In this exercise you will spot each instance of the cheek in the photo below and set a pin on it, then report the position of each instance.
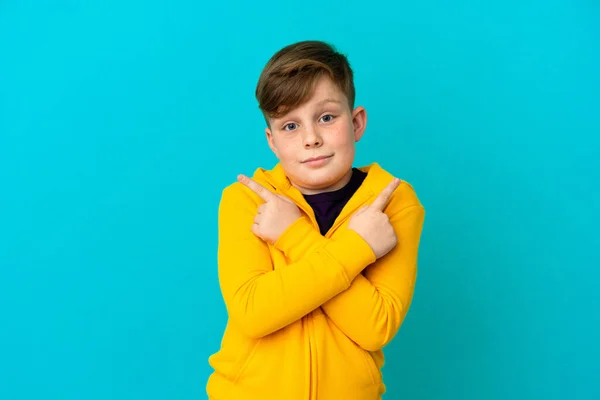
(344, 133)
(286, 150)
(343, 139)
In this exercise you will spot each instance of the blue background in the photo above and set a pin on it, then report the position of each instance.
(122, 121)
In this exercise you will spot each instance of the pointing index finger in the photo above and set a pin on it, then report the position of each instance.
(383, 198)
(257, 188)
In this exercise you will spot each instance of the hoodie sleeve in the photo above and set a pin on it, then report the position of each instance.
(260, 299)
(372, 309)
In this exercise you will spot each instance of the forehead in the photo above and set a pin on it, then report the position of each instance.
(324, 89)
(325, 92)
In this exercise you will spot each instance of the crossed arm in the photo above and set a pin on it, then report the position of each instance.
(372, 309)
(324, 272)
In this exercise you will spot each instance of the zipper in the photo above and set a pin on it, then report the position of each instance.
(353, 204)
(314, 370)
(301, 203)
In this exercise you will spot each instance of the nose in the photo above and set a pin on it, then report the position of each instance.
(312, 138)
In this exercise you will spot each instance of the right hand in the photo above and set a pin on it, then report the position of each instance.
(373, 225)
(275, 215)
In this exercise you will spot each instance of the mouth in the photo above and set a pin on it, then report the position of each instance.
(313, 159)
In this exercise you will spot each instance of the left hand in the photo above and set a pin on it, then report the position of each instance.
(274, 216)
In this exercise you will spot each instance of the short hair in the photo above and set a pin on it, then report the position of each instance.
(290, 76)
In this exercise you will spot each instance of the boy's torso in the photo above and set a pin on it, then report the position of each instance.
(310, 359)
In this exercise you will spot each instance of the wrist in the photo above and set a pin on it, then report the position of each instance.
(352, 252)
(299, 238)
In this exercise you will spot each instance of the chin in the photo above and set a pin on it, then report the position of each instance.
(321, 178)
(318, 185)
(318, 180)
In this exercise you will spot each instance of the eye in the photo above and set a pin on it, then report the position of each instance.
(327, 118)
(290, 127)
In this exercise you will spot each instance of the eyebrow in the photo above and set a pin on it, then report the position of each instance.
(324, 101)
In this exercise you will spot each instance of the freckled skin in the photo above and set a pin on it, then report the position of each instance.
(323, 126)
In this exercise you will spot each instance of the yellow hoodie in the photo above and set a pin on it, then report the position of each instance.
(310, 314)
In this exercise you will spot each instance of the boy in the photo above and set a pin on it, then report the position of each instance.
(317, 259)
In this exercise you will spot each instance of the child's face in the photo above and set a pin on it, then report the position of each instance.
(315, 142)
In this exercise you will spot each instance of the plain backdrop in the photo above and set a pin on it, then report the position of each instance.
(122, 121)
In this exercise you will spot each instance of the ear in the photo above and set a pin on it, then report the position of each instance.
(359, 122)
(271, 141)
